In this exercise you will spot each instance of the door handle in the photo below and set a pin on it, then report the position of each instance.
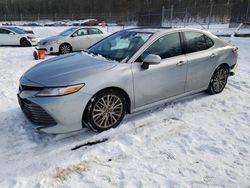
(213, 55)
(180, 63)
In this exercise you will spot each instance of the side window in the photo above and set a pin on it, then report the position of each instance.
(93, 31)
(197, 41)
(81, 32)
(166, 47)
(209, 41)
(4, 31)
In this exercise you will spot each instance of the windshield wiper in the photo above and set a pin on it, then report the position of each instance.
(110, 58)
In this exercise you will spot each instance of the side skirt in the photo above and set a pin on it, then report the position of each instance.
(161, 102)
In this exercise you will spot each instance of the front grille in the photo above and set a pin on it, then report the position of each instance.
(35, 113)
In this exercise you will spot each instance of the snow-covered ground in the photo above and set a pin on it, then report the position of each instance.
(198, 141)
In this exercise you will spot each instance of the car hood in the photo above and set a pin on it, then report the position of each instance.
(27, 35)
(66, 70)
(53, 38)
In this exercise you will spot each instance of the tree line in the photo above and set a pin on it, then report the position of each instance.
(116, 9)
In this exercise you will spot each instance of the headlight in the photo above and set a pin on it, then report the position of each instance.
(51, 42)
(47, 92)
(33, 39)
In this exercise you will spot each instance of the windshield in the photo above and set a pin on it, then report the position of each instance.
(17, 30)
(121, 45)
(67, 32)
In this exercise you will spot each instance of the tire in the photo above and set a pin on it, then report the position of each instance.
(25, 43)
(65, 49)
(219, 80)
(105, 110)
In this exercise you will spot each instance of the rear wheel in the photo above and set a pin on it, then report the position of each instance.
(65, 49)
(24, 42)
(219, 80)
(106, 110)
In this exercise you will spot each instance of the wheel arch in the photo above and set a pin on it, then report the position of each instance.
(71, 48)
(24, 39)
(122, 91)
(210, 90)
(225, 65)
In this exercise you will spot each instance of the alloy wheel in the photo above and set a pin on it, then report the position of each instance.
(220, 80)
(107, 111)
(65, 49)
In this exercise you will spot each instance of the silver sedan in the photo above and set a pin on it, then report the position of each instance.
(129, 71)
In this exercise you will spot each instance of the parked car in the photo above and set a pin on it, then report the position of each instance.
(129, 71)
(72, 39)
(32, 24)
(89, 22)
(58, 23)
(8, 24)
(86, 22)
(242, 33)
(15, 36)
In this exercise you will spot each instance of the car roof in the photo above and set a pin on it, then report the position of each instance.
(161, 30)
(87, 27)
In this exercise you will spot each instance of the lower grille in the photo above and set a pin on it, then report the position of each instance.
(35, 113)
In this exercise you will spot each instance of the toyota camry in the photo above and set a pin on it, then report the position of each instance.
(127, 72)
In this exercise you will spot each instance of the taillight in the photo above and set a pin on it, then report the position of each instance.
(235, 50)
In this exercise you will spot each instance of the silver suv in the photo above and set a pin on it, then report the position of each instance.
(129, 71)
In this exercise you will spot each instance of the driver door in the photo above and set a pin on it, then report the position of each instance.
(80, 40)
(164, 80)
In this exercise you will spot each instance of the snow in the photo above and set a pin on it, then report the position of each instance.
(196, 141)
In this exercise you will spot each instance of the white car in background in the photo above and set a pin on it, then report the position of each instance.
(242, 33)
(15, 36)
(72, 39)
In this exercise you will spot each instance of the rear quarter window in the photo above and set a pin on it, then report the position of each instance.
(196, 41)
(94, 31)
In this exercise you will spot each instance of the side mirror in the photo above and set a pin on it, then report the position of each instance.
(151, 59)
(11, 33)
(74, 35)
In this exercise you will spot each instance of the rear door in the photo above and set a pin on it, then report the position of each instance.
(201, 57)
(164, 80)
(80, 40)
(95, 35)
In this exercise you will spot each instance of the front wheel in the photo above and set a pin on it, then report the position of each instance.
(25, 43)
(106, 110)
(64, 49)
(218, 81)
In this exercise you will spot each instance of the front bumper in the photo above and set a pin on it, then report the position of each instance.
(33, 42)
(51, 48)
(66, 111)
